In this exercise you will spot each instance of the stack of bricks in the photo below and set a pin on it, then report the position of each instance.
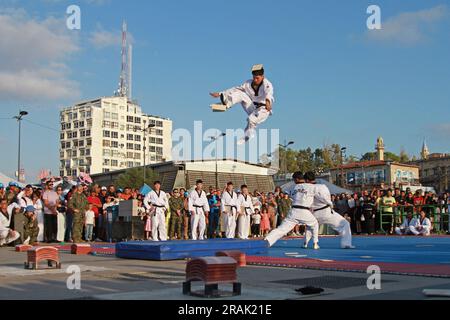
(81, 249)
(212, 270)
(236, 255)
(36, 255)
(23, 248)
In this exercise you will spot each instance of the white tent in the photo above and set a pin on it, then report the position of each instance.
(5, 180)
(334, 189)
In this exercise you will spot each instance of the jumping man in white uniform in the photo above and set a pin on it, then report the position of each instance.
(302, 195)
(255, 96)
(229, 203)
(245, 211)
(324, 213)
(157, 200)
(199, 209)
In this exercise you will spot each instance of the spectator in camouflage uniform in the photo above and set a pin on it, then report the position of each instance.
(79, 204)
(30, 226)
(176, 204)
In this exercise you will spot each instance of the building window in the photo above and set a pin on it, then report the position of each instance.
(106, 134)
(137, 147)
(62, 136)
(81, 124)
(137, 156)
(106, 152)
(75, 134)
(159, 150)
(152, 149)
(137, 164)
(89, 123)
(130, 137)
(137, 138)
(74, 173)
(159, 124)
(88, 152)
(115, 116)
(106, 124)
(137, 120)
(88, 133)
(75, 124)
(63, 145)
(130, 146)
(159, 132)
(74, 153)
(159, 141)
(114, 135)
(130, 164)
(106, 143)
(107, 115)
(82, 133)
(81, 143)
(130, 119)
(88, 141)
(114, 163)
(106, 162)
(68, 145)
(130, 155)
(114, 144)
(114, 125)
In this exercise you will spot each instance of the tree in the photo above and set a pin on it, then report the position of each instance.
(134, 178)
(404, 157)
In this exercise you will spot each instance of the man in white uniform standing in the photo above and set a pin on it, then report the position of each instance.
(324, 213)
(245, 211)
(7, 235)
(229, 209)
(255, 96)
(199, 209)
(302, 195)
(158, 200)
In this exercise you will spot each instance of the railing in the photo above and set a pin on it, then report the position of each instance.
(438, 214)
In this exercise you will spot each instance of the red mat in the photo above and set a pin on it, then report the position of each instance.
(426, 270)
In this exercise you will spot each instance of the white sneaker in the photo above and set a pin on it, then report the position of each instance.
(305, 246)
(27, 241)
(316, 246)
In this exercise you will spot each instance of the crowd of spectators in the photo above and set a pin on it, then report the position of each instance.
(87, 213)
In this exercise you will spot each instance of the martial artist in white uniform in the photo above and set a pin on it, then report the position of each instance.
(324, 213)
(423, 227)
(157, 199)
(408, 225)
(302, 195)
(199, 209)
(229, 203)
(245, 211)
(7, 235)
(256, 97)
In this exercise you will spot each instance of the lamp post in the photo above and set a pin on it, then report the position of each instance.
(217, 169)
(19, 119)
(343, 184)
(146, 128)
(285, 146)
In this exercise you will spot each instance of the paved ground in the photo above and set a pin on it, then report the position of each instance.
(111, 278)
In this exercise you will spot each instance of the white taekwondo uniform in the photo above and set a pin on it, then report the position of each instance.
(245, 211)
(5, 226)
(407, 226)
(302, 196)
(324, 213)
(159, 203)
(423, 227)
(198, 206)
(229, 203)
(253, 101)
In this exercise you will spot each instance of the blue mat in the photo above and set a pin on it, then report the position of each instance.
(416, 250)
(178, 250)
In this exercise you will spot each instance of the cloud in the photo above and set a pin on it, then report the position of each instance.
(101, 38)
(408, 28)
(33, 58)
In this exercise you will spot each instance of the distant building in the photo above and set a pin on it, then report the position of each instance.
(184, 174)
(377, 173)
(107, 134)
(434, 169)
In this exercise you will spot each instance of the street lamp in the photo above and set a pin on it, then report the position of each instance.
(19, 120)
(145, 130)
(217, 170)
(343, 184)
(285, 146)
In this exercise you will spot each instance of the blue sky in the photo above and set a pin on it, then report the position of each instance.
(335, 81)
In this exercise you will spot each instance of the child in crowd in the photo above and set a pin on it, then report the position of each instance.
(30, 226)
(265, 221)
(147, 217)
(108, 209)
(256, 224)
(89, 223)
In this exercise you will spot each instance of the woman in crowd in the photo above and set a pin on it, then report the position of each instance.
(61, 207)
(39, 206)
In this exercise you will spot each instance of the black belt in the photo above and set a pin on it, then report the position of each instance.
(159, 206)
(259, 105)
(301, 207)
(320, 209)
(198, 206)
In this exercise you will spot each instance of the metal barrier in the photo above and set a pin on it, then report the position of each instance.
(438, 214)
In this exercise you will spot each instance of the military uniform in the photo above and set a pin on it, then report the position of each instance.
(79, 202)
(176, 204)
(284, 205)
(30, 228)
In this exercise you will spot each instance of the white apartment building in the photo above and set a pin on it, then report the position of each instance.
(108, 134)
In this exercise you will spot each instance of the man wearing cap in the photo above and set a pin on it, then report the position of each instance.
(199, 209)
(25, 197)
(255, 96)
(156, 200)
(7, 235)
(176, 204)
(13, 191)
(302, 195)
(30, 226)
(79, 204)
